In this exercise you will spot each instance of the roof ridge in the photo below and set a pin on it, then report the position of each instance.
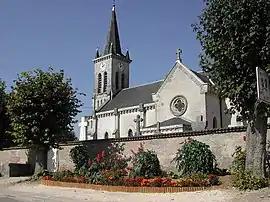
(153, 82)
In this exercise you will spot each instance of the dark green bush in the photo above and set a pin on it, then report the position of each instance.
(145, 164)
(238, 164)
(245, 181)
(195, 157)
(60, 175)
(79, 156)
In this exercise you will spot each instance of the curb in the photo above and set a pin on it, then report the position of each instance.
(122, 188)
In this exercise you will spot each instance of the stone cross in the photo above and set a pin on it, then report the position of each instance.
(55, 160)
(158, 127)
(138, 121)
(83, 128)
(178, 54)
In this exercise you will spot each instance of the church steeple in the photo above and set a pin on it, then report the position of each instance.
(113, 40)
(111, 67)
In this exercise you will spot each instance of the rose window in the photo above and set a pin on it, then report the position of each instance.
(179, 105)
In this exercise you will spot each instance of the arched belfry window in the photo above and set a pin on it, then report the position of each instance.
(105, 82)
(214, 122)
(130, 133)
(122, 80)
(106, 135)
(99, 82)
(116, 80)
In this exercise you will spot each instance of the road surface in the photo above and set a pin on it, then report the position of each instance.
(34, 192)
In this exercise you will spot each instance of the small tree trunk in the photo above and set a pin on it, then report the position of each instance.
(38, 158)
(256, 146)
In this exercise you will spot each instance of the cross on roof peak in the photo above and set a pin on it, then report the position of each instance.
(178, 54)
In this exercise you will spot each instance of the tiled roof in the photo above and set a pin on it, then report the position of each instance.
(202, 76)
(132, 96)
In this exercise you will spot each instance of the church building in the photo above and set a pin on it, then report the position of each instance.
(182, 101)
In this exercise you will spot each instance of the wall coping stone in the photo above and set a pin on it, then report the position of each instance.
(156, 136)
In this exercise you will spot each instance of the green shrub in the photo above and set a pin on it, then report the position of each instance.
(60, 175)
(145, 164)
(245, 181)
(79, 156)
(238, 164)
(195, 157)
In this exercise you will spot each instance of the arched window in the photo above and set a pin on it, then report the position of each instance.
(122, 80)
(214, 122)
(98, 103)
(105, 82)
(91, 124)
(106, 135)
(99, 82)
(201, 117)
(130, 133)
(116, 80)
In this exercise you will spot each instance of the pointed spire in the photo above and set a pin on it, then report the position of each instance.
(113, 36)
(97, 53)
(111, 48)
(127, 54)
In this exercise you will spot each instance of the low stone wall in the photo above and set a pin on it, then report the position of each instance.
(222, 145)
(221, 141)
(12, 155)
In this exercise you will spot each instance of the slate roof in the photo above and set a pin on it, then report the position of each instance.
(171, 122)
(113, 39)
(132, 96)
(202, 76)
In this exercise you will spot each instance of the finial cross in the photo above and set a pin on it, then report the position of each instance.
(178, 54)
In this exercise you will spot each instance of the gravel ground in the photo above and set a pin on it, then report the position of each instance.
(24, 192)
(101, 196)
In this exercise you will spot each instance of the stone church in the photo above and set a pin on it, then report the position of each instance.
(182, 101)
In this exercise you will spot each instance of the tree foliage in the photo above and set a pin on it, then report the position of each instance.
(235, 38)
(6, 140)
(42, 106)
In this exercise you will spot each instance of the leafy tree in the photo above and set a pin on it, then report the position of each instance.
(70, 136)
(42, 106)
(235, 38)
(5, 138)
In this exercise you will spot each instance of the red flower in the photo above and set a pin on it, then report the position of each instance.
(98, 158)
(89, 162)
(46, 177)
(244, 138)
(129, 168)
(102, 153)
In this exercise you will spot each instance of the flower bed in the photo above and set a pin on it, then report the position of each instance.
(121, 188)
(140, 172)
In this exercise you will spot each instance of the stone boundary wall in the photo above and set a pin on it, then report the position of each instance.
(221, 141)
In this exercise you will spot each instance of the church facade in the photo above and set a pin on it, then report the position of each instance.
(182, 101)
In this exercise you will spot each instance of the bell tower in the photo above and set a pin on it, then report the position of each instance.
(111, 67)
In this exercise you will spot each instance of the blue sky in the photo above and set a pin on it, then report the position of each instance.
(65, 33)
